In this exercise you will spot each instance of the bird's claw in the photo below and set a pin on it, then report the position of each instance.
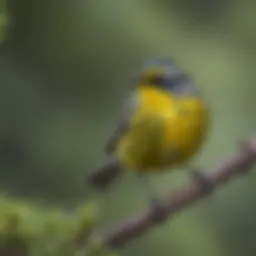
(205, 182)
(158, 210)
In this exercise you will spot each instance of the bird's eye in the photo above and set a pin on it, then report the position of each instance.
(158, 81)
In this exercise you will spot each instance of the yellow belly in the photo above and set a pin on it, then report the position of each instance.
(164, 132)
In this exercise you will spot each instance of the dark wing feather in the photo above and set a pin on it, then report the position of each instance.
(123, 124)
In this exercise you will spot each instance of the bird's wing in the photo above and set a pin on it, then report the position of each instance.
(123, 124)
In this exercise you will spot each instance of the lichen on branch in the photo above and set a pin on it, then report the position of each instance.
(30, 229)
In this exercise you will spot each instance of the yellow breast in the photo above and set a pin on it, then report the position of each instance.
(164, 131)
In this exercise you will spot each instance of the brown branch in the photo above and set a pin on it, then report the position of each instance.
(176, 201)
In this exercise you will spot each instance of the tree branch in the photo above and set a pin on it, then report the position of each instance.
(239, 163)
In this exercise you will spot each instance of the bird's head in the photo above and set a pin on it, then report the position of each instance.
(166, 75)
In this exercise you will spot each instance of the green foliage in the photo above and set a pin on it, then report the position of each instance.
(34, 230)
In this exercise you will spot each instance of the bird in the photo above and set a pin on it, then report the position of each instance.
(164, 122)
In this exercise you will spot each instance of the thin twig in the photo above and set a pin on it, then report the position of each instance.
(176, 201)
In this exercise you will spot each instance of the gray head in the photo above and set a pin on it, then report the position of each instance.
(167, 75)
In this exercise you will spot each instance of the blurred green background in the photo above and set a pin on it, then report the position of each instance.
(65, 67)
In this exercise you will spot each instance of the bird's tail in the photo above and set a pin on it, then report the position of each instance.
(103, 176)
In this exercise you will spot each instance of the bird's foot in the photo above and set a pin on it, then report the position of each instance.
(158, 210)
(154, 202)
(205, 182)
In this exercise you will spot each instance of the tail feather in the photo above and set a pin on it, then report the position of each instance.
(106, 174)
